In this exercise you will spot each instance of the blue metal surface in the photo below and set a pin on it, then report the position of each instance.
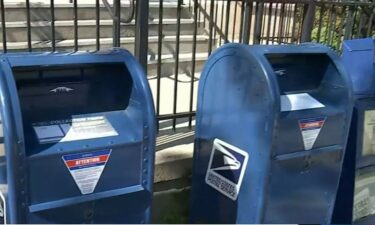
(239, 104)
(36, 182)
(358, 178)
(359, 57)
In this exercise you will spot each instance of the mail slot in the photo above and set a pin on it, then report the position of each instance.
(79, 136)
(356, 198)
(272, 127)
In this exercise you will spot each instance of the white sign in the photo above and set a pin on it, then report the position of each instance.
(300, 101)
(75, 129)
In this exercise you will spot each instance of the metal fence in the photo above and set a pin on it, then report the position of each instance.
(287, 21)
(272, 22)
(244, 21)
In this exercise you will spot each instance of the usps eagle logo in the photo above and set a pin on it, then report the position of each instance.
(226, 168)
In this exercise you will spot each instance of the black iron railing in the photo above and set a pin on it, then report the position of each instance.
(197, 28)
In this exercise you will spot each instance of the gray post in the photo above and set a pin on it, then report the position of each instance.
(308, 21)
(141, 33)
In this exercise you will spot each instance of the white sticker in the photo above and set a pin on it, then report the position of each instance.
(226, 168)
(74, 129)
(300, 101)
(364, 198)
(3, 212)
(362, 204)
(86, 168)
(310, 129)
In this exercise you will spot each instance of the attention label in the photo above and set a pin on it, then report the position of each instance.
(310, 129)
(86, 168)
(226, 168)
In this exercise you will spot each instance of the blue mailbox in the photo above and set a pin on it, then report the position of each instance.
(272, 125)
(79, 136)
(356, 199)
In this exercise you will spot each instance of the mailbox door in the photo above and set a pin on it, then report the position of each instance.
(42, 186)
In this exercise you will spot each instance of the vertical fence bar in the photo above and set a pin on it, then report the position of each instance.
(116, 23)
(210, 17)
(227, 18)
(333, 27)
(193, 63)
(28, 21)
(3, 26)
(340, 26)
(308, 22)
(348, 23)
(335, 33)
(274, 23)
(205, 10)
(160, 49)
(263, 23)
(370, 23)
(258, 23)
(354, 22)
(287, 24)
(75, 25)
(177, 57)
(221, 20)
(360, 24)
(269, 22)
(326, 24)
(215, 20)
(301, 19)
(295, 8)
(97, 12)
(200, 11)
(295, 24)
(234, 20)
(321, 15)
(53, 41)
(281, 25)
(247, 21)
(141, 33)
(292, 22)
(329, 26)
(336, 36)
(293, 15)
(282, 35)
(242, 20)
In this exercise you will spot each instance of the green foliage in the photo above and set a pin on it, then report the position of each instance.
(334, 24)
